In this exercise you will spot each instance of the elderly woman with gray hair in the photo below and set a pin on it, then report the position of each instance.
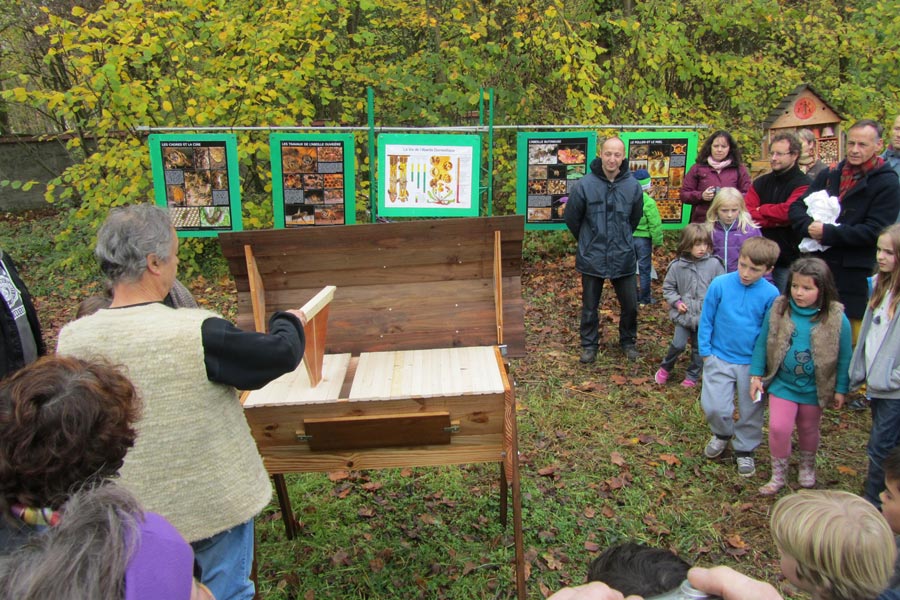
(194, 461)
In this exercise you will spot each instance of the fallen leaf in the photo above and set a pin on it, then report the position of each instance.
(670, 459)
(548, 471)
(608, 512)
(846, 470)
(371, 486)
(589, 512)
(617, 459)
(591, 546)
(366, 512)
(338, 475)
(734, 540)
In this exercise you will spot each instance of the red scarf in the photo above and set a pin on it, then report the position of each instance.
(851, 174)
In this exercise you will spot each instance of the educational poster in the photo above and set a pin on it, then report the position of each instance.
(548, 164)
(313, 180)
(667, 156)
(195, 177)
(428, 175)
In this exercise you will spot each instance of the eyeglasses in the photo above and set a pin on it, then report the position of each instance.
(780, 154)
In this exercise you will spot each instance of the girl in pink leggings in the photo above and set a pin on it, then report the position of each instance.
(800, 360)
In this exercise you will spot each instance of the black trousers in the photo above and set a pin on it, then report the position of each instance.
(591, 291)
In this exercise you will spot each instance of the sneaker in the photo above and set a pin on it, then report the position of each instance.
(858, 404)
(746, 466)
(688, 383)
(588, 355)
(715, 447)
(631, 352)
(661, 376)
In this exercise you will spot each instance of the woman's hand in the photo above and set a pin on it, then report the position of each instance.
(708, 194)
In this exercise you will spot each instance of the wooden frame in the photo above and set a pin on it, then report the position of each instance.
(467, 305)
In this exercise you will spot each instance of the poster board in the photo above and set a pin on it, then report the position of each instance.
(667, 155)
(547, 165)
(313, 179)
(195, 178)
(428, 175)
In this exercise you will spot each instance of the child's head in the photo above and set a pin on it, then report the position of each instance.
(888, 248)
(92, 304)
(634, 568)
(886, 253)
(758, 256)
(810, 283)
(727, 206)
(696, 241)
(890, 497)
(833, 544)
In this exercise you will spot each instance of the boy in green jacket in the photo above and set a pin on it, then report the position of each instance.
(647, 236)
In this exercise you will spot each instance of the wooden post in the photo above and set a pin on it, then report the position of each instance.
(257, 291)
(498, 287)
(316, 311)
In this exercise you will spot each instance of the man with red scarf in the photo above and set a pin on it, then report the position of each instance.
(869, 194)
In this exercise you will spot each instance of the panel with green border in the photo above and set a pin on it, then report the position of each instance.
(428, 175)
(313, 179)
(668, 156)
(195, 178)
(547, 165)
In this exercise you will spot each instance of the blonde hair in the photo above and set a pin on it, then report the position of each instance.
(889, 282)
(842, 544)
(730, 194)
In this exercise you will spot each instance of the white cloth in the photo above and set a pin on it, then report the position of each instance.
(823, 208)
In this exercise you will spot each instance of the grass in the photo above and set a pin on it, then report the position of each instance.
(606, 455)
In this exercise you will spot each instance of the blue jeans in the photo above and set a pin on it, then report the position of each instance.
(885, 435)
(643, 247)
(226, 560)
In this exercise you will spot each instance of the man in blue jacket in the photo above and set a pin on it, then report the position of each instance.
(604, 208)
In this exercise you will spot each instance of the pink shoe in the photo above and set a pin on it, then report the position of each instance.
(661, 376)
(688, 383)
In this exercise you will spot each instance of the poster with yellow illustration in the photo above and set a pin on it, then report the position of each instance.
(428, 175)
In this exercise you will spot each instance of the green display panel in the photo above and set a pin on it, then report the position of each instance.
(313, 180)
(548, 164)
(195, 177)
(667, 155)
(428, 175)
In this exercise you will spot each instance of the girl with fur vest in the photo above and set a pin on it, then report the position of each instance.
(685, 286)
(801, 359)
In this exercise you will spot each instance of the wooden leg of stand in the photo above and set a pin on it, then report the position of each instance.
(517, 532)
(284, 501)
(504, 494)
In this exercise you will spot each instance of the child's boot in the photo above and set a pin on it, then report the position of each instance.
(779, 475)
(807, 477)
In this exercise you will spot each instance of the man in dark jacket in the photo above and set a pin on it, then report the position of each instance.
(770, 197)
(869, 193)
(604, 208)
(19, 325)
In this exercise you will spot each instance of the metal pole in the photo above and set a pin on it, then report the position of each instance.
(373, 180)
(490, 190)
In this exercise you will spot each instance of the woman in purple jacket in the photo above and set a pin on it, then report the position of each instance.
(718, 165)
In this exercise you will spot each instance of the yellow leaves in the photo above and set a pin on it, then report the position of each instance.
(167, 106)
(20, 94)
(78, 11)
(551, 12)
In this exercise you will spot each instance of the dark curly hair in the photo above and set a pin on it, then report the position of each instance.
(734, 153)
(65, 424)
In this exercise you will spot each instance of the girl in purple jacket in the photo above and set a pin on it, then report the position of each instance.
(730, 225)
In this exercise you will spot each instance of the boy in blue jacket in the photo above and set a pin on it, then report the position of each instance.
(730, 321)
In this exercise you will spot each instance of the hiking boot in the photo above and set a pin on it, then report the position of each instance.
(688, 383)
(746, 466)
(807, 475)
(779, 475)
(715, 447)
(631, 352)
(588, 355)
(661, 376)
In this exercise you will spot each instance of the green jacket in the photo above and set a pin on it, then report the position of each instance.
(651, 223)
